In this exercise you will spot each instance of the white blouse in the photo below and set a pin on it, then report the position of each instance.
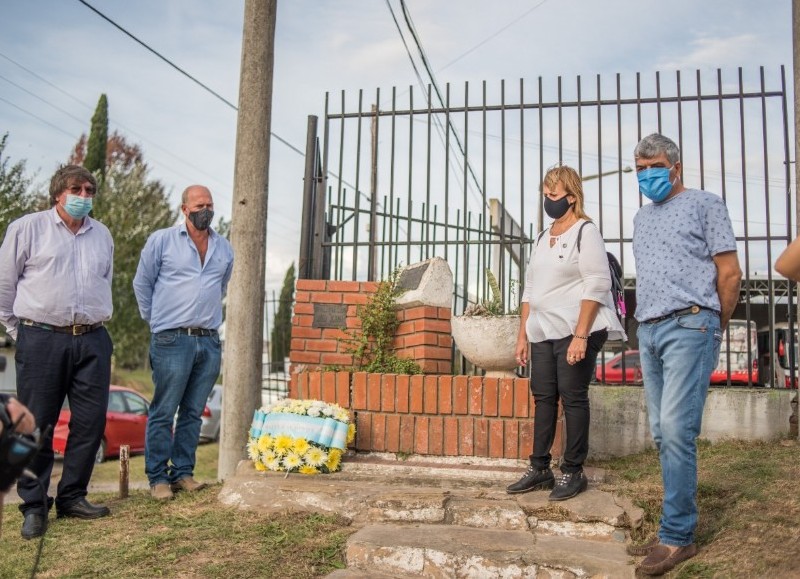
(558, 278)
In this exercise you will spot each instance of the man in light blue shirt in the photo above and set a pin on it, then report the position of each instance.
(55, 296)
(180, 282)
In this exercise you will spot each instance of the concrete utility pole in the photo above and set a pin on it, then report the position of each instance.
(244, 332)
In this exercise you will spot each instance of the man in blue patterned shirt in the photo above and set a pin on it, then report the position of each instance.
(687, 286)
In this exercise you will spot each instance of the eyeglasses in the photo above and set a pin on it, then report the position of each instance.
(77, 189)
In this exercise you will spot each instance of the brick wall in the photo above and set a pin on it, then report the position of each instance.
(423, 334)
(431, 415)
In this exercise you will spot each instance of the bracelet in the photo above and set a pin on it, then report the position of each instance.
(580, 337)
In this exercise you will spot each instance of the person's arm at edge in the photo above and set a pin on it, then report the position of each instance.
(788, 263)
(11, 264)
(144, 280)
(729, 277)
(522, 335)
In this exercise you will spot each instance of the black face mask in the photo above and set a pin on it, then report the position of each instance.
(556, 209)
(201, 219)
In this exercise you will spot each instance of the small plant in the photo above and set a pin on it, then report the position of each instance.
(493, 306)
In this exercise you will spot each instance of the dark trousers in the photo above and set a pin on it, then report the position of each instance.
(50, 367)
(552, 378)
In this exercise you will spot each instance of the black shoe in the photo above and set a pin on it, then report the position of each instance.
(34, 525)
(568, 485)
(83, 509)
(532, 480)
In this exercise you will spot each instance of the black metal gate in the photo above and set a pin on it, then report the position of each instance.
(400, 178)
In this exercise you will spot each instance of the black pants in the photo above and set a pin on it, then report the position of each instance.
(553, 378)
(50, 367)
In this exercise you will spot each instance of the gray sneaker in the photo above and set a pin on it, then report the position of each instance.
(568, 485)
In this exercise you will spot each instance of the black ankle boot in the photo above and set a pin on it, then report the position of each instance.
(533, 479)
(568, 485)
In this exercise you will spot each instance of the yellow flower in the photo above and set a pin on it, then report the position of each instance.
(283, 444)
(351, 433)
(308, 469)
(274, 464)
(260, 466)
(301, 446)
(334, 459)
(292, 461)
(252, 449)
(268, 456)
(264, 442)
(316, 456)
(342, 415)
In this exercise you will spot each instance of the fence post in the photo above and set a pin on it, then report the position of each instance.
(305, 262)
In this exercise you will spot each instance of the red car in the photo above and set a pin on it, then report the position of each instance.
(611, 371)
(126, 421)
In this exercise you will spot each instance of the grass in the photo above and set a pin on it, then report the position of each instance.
(749, 506)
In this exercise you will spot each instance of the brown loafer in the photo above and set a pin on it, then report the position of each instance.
(643, 549)
(662, 558)
(188, 484)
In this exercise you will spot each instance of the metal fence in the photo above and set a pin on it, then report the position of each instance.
(404, 176)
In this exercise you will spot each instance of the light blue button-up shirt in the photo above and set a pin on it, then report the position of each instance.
(53, 276)
(174, 289)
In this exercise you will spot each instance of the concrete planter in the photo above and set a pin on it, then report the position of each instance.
(488, 342)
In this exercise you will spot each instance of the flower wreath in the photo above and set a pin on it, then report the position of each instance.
(306, 436)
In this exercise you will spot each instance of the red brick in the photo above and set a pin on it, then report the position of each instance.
(444, 313)
(379, 432)
(431, 395)
(343, 389)
(466, 435)
(354, 298)
(392, 432)
(404, 328)
(496, 447)
(506, 397)
(331, 359)
(525, 438)
(475, 395)
(297, 344)
(450, 436)
(421, 338)
(360, 391)
(302, 297)
(294, 385)
(421, 435)
(445, 395)
(398, 344)
(522, 398)
(388, 392)
(400, 315)
(322, 345)
(444, 341)
(374, 392)
(407, 433)
(363, 430)
(481, 437)
(427, 366)
(460, 395)
(431, 353)
(352, 311)
(310, 333)
(436, 326)
(369, 287)
(436, 436)
(314, 385)
(559, 440)
(490, 396)
(329, 386)
(444, 367)
(343, 286)
(511, 439)
(304, 357)
(421, 312)
(311, 284)
(303, 308)
(334, 334)
(303, 321)
(353, 323)
(415, 405)
(402, 395)
(326, 298)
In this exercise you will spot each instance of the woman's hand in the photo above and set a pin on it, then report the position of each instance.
(522, 350)
(576, 351)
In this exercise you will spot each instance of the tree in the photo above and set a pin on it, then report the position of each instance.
(16, 198)
(96, 147)
(281, 335)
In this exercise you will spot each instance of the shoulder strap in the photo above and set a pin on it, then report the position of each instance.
(580, 234)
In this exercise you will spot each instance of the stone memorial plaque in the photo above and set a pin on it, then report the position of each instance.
(330, 316)
(410, 277)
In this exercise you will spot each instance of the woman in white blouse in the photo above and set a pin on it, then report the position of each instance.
(566, 316)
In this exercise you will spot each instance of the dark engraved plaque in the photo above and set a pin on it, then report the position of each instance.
(410, 278)
(330, 316)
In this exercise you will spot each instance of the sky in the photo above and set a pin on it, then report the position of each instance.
(57, 57)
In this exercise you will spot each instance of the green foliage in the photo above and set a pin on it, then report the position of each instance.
(132, 207)
(493, 306)
(281, 335)
(224, 228)
(16, 198)
(95, 160)
(372, 348)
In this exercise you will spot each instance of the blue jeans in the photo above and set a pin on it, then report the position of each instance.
(184, 371)
(678, 355)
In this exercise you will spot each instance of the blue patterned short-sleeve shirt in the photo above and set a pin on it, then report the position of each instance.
(673, 244)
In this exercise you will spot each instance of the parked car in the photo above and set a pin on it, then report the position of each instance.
(612, 373)
(209, 431)
(126, 421)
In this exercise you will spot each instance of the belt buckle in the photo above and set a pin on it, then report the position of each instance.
(190, 332)
(695, 309)
(77, 330)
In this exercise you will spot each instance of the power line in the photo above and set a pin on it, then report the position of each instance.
(38, 118)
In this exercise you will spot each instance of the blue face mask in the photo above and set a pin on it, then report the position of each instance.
(654, 183)
(78, 207)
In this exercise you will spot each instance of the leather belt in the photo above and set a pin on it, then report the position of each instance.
(75, 330)
(691, 310)
(204, 332)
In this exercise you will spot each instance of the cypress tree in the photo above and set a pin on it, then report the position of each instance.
(98, 139)
(281, 335)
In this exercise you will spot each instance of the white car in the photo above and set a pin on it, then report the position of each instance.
(209, 430)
